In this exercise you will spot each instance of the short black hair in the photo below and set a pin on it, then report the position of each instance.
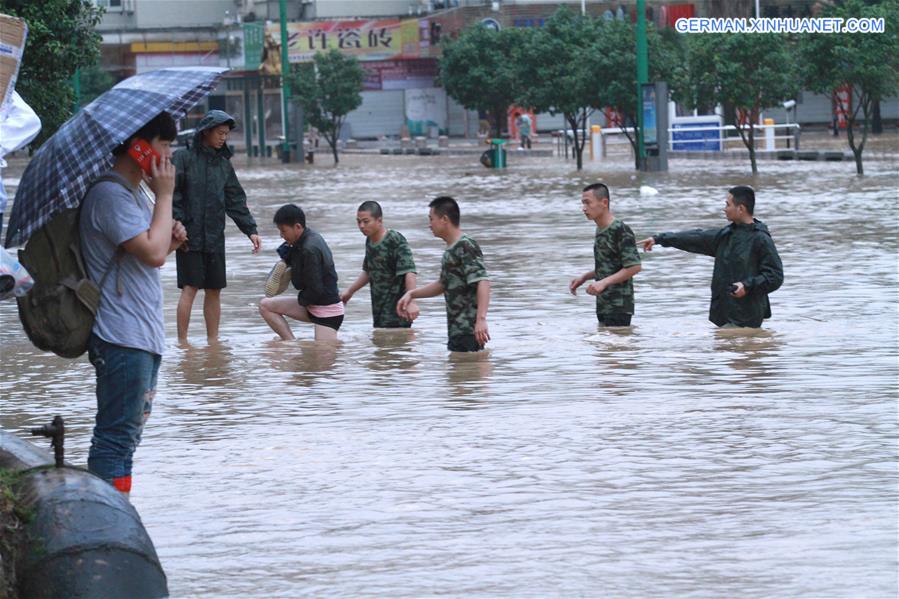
(290, 214)
(372, 207)
(446, 206)
(743, 196)
(162, 126)
(600, 191)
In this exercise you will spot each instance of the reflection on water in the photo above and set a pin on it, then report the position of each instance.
(666, 458)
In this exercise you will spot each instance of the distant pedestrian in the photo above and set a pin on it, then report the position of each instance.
(524, 130)
(463, 281)
(126, 236)
(206, 190)
(615, 257)
(312, 273)
(388, 267)
(747, 265)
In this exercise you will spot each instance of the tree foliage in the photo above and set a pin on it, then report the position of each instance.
(94, 81)
(559, 68)
(615, 61)
(328, 89)
(61, 39)
(750, 72)
(478, 70)
(867, 62)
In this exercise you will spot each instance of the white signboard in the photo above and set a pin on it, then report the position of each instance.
(426, 111)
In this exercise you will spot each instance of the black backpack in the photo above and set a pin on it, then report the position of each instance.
(58, 312)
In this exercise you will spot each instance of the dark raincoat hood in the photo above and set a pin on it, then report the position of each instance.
(213, 118)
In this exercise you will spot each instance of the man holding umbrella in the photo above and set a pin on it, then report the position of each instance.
(206, 189)
(125, 239)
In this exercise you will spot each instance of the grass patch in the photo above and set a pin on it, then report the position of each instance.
(12, 532)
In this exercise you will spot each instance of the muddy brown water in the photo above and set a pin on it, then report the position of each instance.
(668, 459)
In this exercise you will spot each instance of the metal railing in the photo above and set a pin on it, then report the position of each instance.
(767, 140)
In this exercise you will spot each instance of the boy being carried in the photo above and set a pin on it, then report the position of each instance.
(463, 281)
(616, 261)
(388, 266)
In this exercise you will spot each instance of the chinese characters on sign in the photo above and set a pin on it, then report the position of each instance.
(373, 39)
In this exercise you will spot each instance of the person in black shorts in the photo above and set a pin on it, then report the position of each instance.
(313, 274)
(206, 190)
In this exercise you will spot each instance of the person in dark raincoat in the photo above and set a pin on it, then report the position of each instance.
(747, 266)
(207, 189)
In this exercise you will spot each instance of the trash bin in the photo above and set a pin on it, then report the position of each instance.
(499, 153)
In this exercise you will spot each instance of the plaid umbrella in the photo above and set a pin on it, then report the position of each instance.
(61, 170)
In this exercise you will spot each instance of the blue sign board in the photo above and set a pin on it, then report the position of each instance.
(650, 131)
(686, 137)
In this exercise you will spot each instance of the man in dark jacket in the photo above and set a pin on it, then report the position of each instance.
(206, 189)
(312, 273)
(747, 266)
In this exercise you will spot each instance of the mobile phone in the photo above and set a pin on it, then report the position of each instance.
(143, 153)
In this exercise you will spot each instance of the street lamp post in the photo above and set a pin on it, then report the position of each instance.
(285, 83)
(226, 22)
(642, 74)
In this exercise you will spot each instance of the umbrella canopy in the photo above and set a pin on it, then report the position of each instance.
(61, 170)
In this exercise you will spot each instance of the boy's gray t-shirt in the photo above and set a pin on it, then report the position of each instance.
(111, 215)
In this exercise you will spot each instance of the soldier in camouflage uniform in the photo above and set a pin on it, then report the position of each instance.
(747, 265)
(388, 266)
(615, 258)
(463, 281)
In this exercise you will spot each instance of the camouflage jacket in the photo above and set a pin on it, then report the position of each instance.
(743, 253)
(460, 270)
(387, 262)
(615, 248)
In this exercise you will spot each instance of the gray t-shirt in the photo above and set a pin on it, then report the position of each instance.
(111, 215)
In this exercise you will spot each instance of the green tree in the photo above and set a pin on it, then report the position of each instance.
(94, 81)
(61, 39)
(478, 70)
(867, 62)
(559, 62)
(328, 89)
(615, 61)
(750, 72)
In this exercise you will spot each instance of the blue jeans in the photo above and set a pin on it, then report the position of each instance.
(126, 384)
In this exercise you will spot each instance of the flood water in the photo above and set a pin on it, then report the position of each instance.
(666, 459)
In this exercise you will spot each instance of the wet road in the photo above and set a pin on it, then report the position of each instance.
(668, 459)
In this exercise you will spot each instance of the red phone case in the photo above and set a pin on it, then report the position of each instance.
(143, 154)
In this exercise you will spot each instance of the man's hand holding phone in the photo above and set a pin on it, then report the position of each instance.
(162, 177)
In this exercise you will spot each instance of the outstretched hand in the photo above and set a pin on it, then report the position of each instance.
(647, 243)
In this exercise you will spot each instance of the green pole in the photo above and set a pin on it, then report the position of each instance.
(76, 86)
(285, 84)
(642, 73)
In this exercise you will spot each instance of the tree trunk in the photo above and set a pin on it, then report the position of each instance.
(335, 127)
(864, 103)
(750, 141)
(578, 142)
(876, 121)
(499, 112)
(755, 167)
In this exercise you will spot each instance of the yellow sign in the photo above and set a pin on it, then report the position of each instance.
(173, 47)
(373, 39)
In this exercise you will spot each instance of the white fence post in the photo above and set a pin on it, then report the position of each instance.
(769, 135)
